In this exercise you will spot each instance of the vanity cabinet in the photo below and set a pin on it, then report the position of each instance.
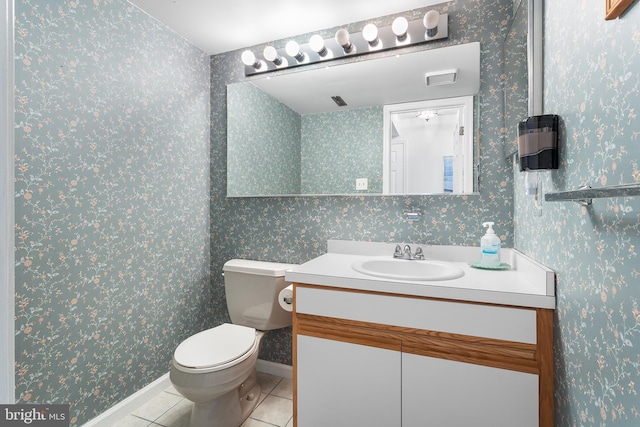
(377, 359)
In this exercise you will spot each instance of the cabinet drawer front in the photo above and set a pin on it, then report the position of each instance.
(502, 323)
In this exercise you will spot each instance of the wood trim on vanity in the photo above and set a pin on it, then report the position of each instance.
(517, 356)
(544, 356)
(462, 348)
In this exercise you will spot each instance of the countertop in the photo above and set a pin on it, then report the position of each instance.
(527, 284)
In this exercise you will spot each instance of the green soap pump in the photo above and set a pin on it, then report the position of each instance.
(490, 246)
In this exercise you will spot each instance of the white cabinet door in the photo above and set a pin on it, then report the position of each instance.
(445, 393)
(345, 385)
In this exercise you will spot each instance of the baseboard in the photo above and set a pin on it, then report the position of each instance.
(130, 404)
(277, 369)
(139, 398)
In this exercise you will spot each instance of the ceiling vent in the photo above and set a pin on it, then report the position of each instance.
(339, 101)
(438, 78)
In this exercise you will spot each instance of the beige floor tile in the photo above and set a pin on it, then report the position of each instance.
(157, 406)
(284, 389)
(267, 382)
(177, 416)
(170, 409)
(274, 410)
(172, 390)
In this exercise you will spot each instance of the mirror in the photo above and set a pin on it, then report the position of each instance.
(286, 135)
(526, 14)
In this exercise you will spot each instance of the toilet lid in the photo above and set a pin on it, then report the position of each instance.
(215, 346)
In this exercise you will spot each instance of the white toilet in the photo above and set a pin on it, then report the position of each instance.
(216, 368)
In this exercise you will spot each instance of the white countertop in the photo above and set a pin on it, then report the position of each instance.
(526, 284)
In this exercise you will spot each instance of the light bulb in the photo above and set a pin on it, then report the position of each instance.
(431, 21)
(370, 34)
(293, 49)
(342, 37)
(271, 54)
(249, 59)
(316, 43)
(400, 26)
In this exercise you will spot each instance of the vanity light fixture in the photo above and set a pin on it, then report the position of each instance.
(399, 27)
(370, 34)
(431, 21)
(293, 49)
(344, 39)
(401, 33)
(316, 43)
(271, 54)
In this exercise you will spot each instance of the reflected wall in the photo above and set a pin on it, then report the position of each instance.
(340, 147)
(264, 156)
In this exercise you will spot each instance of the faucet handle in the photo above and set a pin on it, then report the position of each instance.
(397, 253)
(419, 254)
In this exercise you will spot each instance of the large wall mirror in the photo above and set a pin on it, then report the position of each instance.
(286, 135)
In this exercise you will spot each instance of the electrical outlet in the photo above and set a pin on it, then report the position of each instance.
(362, 183)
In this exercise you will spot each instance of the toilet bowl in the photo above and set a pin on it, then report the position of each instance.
(216, 368)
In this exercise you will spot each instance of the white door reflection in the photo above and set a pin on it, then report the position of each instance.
(427, 150)
(396, 166)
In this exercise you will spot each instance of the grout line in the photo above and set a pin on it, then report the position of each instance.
(169, 409)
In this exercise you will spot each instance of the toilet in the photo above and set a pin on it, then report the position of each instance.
(216, 368)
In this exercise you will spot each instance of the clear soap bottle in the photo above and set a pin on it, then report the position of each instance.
(490, 246)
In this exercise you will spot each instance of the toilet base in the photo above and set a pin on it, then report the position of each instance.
(230, 409)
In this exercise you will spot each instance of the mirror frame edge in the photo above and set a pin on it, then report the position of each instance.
(535, 58)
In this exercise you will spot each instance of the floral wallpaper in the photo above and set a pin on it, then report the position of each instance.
(264, 143)
(591, 69)
(339, 147)
(112, 218)
(295, 229)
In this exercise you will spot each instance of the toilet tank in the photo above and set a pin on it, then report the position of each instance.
(252, 289)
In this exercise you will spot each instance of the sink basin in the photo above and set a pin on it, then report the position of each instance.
(402, 269)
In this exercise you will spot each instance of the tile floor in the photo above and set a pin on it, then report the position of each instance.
(170, 409)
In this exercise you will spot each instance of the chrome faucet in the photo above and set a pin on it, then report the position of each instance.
(405, 253)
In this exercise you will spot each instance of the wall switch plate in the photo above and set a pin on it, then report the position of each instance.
(362, 183)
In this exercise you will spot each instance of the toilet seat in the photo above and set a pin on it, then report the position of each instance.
(215, 349)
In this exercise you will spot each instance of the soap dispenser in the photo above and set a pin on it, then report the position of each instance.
(490, 246)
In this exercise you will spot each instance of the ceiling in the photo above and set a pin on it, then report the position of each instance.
(218, 26)
(381, 81)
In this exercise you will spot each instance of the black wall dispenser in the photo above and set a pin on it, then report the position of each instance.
(538, 143)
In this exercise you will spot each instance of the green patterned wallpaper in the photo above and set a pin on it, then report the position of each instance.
(111, 201)
(591, 69)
